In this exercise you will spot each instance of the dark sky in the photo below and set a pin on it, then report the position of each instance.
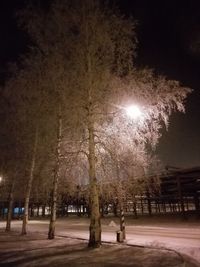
(169, 42)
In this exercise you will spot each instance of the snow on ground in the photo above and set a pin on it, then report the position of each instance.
(166, 232)
(35, 250)
(150, 244)
(182, 244)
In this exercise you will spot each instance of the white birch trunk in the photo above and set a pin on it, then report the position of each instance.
(29, 185)
(10, 208)
(52, 223)
(95, 222)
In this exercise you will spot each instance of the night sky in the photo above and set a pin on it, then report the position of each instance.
(169, 42)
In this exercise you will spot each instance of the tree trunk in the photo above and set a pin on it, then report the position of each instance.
(10, 208)
(95, 223)
(29, 185)
(43, 210)
(51, 233)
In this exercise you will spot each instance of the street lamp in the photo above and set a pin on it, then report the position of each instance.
(133, 111)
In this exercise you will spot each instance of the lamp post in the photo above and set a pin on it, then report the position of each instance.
(134, 113)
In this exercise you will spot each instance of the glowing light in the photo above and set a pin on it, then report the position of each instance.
(1, 178)
(133, 112)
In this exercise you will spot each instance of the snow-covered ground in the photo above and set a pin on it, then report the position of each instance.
(161, 245)
(185, 240)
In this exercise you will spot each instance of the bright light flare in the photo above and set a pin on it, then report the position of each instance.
(133, 112)
(1, 178)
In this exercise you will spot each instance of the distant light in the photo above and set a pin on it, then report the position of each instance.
(133, 111)
(1, 178)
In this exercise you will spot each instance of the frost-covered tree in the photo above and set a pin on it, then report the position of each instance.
(97, 43)
(27, 94)
(93, 50)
